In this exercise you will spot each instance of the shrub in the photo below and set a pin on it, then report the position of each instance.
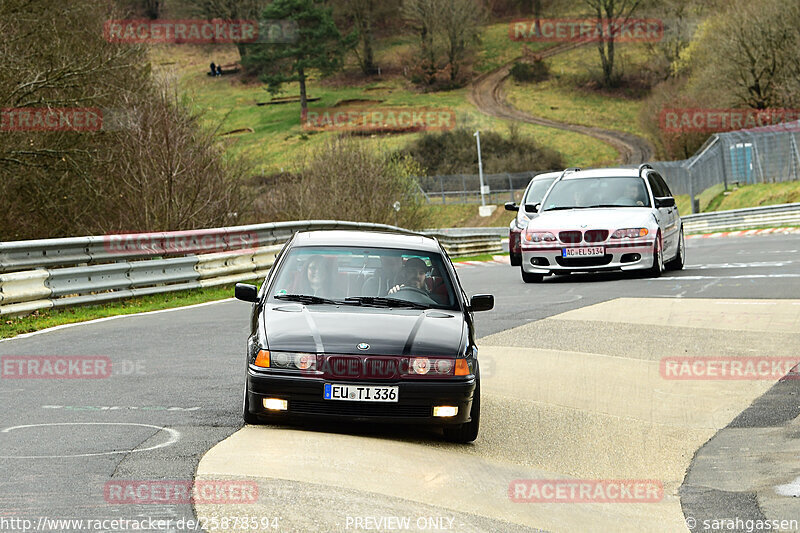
(527, 72)
(345, 180)
(454, 152)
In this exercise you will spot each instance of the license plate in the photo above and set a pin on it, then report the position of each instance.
(359, 393)
(592, 251)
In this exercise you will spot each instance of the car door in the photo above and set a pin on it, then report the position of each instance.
(667, 216)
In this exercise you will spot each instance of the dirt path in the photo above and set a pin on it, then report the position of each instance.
(488, 96)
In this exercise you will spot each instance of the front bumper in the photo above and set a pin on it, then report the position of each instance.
(549, 259)
(416, 399)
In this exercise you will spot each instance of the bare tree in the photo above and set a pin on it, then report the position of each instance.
(461, 28)
(446, 31)
(608, 13)
(749, 54)
(232, 10)
(170, 172)
(350, 179)
(423, 17)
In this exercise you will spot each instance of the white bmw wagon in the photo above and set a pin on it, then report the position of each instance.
(604, 220)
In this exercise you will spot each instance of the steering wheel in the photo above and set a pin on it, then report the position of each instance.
(417, 293)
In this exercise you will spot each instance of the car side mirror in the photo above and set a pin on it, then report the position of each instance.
(667, 201)
(532, 208)
(481, 302)
(246, 293)
(511, 206)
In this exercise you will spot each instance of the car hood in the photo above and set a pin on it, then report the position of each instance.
(331, 329)
(599, 218)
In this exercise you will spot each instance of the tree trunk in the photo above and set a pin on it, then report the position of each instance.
(301, 73)
(368, 66)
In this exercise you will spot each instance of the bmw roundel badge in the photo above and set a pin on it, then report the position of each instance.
(362, 346)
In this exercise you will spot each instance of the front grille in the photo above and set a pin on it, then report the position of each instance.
(584, 261)
(334, 407)
(596, 235)
(570, 236)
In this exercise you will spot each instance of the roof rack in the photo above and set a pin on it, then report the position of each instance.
(644, 166)
(566, 170)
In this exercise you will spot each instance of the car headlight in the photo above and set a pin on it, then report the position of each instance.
(288, 360)
(540, 236)
(433, 366)
(630, 233)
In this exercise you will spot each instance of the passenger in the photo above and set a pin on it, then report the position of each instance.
(316, 278)
(413, 275)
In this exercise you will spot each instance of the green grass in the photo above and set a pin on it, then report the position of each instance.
(760, 194)
(481, 257)
(497, 48)
(717, 199)
(43, 319)
(563, 97)
(278, 140)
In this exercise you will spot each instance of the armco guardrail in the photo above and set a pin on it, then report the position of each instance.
(55, 273)
(747, 218)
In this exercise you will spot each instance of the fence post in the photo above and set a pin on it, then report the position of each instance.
(441, 184)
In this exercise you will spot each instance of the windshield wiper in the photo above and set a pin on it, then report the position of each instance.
(614, 205)
(562, 207)
(384, 302)
(305, 298)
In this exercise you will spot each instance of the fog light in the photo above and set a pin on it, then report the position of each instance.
(275, 404)
(445, 410)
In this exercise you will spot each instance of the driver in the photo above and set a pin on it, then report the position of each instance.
(413, 275)
(632, 195)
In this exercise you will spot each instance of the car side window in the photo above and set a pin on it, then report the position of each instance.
(663, 184)
(658, 192)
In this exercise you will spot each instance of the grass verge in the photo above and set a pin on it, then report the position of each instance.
(48, 318)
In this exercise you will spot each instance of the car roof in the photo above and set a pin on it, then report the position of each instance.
(603, 173)
(546, 175)
(373, 239)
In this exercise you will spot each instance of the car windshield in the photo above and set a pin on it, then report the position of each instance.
(537, 190)
(583, 193)
(373, 277)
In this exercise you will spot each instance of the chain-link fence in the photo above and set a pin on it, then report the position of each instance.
(767, 154)
(466, 188)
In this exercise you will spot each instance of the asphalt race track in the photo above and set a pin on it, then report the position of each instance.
(573, 388)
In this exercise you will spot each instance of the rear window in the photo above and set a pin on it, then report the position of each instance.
(349, 272)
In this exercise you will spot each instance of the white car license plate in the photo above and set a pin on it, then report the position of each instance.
(587, 251)
(359, 393)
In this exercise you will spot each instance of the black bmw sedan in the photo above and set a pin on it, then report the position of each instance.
(364, 326)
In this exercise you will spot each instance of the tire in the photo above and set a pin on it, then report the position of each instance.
(531, 278)
(680, 257)
(247, 416)
(465, 433)
(516, 259)
(658, 259)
